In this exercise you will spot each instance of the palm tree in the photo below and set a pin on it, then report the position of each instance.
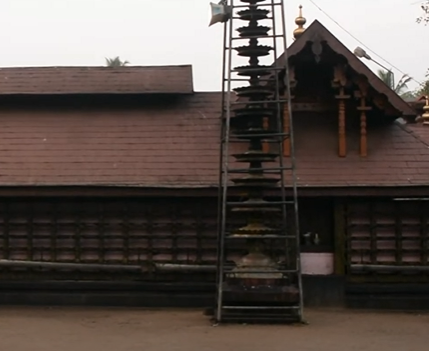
(402, 87)
(115, 62)
(387, 78)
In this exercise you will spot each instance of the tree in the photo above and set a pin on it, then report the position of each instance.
(386, 77)
(115, 62)
(400, 88)
(425, 17)
(424, 88)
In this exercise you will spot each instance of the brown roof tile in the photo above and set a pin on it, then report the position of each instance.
(96, 80)
(419, 131)
(181, 149)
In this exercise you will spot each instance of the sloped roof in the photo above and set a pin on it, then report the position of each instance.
(419, 131)
(135, 147)
(96, 80)
(318, 31)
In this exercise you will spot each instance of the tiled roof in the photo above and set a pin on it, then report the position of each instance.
(419, 131)
(396, 157)
(136, 147)
(96, 80)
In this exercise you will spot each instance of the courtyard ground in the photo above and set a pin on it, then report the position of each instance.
(107, 329)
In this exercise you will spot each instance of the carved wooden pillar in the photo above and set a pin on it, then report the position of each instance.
(339, 82)
(342, 142)
(363, 140)
(363, 108)
(286, 130)
(362, 95)
(286, 117)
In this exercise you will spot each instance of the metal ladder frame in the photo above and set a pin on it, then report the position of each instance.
(225, 141)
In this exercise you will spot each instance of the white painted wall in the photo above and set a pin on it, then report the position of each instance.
(317, 263)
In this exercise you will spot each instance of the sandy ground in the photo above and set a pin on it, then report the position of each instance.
(89, 329)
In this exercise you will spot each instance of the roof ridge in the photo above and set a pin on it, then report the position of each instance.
(89, 67)
(96, 80)
(410, 132)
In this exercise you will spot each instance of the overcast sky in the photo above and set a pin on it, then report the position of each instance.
(164, 32)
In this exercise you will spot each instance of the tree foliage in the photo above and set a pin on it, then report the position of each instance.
(424, 18)
(115, 62)
(424, 88)
(401, 88)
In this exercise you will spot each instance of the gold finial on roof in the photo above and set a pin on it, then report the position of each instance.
(425, 115)
(300, 22)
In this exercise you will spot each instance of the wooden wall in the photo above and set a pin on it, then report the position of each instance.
(126, 231)
(143, 231)
(135, 231)
(386, 232)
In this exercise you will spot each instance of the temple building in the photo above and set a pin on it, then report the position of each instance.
(120, 166)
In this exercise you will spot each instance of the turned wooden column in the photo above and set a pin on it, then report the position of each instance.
(286, 130)
(286, 117)
(342, 141)
(363, 108)
(339, 83)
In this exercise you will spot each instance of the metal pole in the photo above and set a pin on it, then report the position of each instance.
(172, 267)
(225, 172)
(279, 124)
(63, 265)
(411, 199)
(293, 163)
(390, 268)
(221, 153)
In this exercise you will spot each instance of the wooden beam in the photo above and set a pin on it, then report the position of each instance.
(207, 191)
(388, 268)
(340, 238)
(313, 107)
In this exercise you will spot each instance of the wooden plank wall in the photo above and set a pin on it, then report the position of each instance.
(125, 231)
(387, 232)
(135, 231)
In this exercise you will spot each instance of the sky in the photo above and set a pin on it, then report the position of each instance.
(170, 32)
